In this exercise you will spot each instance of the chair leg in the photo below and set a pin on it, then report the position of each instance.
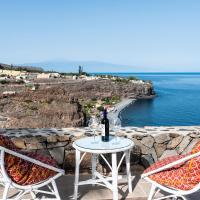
(114, 176)
(183, 198)
(78, 155)
(152, 192)
(94, 165)
(5, 192)
(56, 190)
(33, 195)
(128, 171)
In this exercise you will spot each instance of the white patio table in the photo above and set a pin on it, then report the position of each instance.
(98, 148)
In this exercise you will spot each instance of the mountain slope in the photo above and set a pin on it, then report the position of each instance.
(89, 66)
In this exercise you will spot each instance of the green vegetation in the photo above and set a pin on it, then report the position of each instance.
(100, 108)
(110, 100)
(106, 76)
(11, 82)
(69, 74)
(21, 68)
(94, 99)
(121, 80)
(29, 85)
(117, 78)
(116, 98)
(132, 78)
(4, 82)
(106, 100)
(95, 106)
(87, 109)
(20, 82)
(3, 75)
(32, 107)
(37, 85)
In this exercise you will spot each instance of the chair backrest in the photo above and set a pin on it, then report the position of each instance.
(1, 175)
(3, 172)
(186, 183)
(7, 143)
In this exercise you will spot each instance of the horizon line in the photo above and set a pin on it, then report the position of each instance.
(145, 72)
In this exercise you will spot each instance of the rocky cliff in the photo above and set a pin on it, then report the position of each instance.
(58, 105)
(42, 108)
(108, 88)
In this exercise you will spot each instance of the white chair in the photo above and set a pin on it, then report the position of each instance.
(173, 192)
(34, 189)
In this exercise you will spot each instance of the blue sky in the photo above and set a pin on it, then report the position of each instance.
(154, 35)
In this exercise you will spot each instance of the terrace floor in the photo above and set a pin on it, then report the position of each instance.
(66, 183)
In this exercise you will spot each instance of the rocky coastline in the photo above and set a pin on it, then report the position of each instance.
(64, 105)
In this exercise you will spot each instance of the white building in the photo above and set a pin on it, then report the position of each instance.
(48, 75)
(43, 76)
(55, 75)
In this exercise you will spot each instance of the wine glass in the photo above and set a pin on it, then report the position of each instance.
(93, 125)
(116, 127)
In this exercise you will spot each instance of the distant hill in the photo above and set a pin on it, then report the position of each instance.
(89, 66)
(20, 67)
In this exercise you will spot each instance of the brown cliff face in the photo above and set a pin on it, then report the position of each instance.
(107, 88)
(42, 109)
(58, 106)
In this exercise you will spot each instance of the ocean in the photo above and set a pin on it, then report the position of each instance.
(177, 102)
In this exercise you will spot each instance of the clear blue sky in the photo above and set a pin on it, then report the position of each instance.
(157, 35)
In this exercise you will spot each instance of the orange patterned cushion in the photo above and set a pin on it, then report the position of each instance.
(7, 143)
(196, 148)
(184, 176)
(23, 172)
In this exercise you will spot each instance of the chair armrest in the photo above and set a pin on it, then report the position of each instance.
(170, 165)
(32, 160)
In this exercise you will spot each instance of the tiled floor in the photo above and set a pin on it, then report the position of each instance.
(65, 186)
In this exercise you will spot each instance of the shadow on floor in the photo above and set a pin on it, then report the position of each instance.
(66, 188)
(88, 192)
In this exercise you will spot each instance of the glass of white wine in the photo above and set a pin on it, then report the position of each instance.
(116, 128)
(93, 125)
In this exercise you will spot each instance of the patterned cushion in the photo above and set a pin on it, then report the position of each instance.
(7, 143)
(196, 148)
(184, 176)
(23, 172)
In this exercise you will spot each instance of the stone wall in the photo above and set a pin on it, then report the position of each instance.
(151, 143)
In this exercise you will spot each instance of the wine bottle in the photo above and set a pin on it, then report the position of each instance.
(105, 127)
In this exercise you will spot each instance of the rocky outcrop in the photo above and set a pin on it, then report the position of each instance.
(42, 108)
(151, 144)
(108, 88)
(58, 106)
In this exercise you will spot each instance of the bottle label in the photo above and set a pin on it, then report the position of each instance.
(103, 130)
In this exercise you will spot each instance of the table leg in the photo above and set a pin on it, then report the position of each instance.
(128, 171)
(78, 154)
(94, 166)
(114, 176)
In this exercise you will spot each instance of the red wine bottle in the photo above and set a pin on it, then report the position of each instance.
(105, 127)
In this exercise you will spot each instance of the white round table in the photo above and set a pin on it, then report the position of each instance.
(98, 148)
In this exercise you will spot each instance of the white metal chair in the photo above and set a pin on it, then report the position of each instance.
(173, 192)
(34, 189)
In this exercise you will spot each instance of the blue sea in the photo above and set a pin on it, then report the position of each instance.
(177, 102)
